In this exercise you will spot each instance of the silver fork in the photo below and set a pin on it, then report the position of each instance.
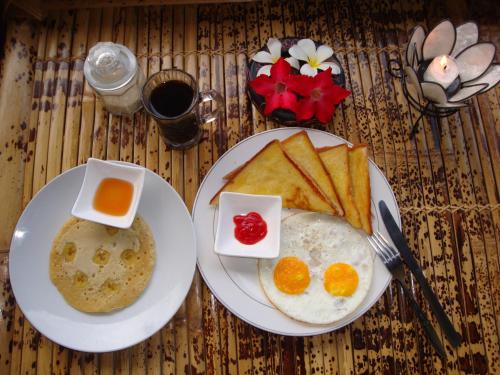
(390, 257)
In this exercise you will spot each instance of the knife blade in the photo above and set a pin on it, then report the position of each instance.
(405, 252)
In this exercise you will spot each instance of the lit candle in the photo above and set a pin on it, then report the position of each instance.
(443, 70)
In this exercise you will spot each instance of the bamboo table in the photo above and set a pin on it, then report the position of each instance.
(51, 121)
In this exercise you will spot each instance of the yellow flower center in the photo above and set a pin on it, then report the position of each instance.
(314, 63)
(275, 58)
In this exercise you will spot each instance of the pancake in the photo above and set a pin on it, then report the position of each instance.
(99, 268)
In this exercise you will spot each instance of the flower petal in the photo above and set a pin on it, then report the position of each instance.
(280, 70)
(434, 92)
(467, 92)
(263, 57)
(467, 35)
(308, 70)
(288, 100)
(451, 105)
(334, 66)
(285, 100)
(324, 111)
(491, 77)
(263, 85)
(266, 70)
(274, 46)
(475, 60)
(293, 62)
(439, 41)
(336, 94)
(297, 52)
(308, 47)
(302, 85)
(323, 53)
(305, 109)
(413, 84)
(323, 80)
(414, 48)
(272, 102)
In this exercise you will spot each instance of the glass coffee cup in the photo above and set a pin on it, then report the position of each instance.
(172, 98)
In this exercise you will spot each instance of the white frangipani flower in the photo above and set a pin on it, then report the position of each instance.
(315, 59)
(264, 57)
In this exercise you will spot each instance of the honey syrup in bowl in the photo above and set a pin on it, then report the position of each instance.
(110, 193)
(113, 196)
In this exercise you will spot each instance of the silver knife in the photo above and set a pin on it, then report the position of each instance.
(405, 252)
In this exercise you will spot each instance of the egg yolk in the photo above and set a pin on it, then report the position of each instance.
(291, 275)
(341, 280)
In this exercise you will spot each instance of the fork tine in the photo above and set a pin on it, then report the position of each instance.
(392, 253)
(386, 244)
(388, 255)
(373, 244)
(382, 238)
(389, 252)
(378, 249)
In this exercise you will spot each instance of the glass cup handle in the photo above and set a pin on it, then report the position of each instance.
(207, 96)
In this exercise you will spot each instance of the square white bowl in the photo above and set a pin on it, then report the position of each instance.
(97, 170)
(232, 204)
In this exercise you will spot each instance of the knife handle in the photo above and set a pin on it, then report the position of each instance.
(441, 317)
(429, 329)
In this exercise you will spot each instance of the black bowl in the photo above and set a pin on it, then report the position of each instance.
(284, 116)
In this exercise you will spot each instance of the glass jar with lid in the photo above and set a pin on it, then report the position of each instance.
(112, 71)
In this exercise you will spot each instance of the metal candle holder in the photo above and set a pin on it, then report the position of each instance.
(476, 71)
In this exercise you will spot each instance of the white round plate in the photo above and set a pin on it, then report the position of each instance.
(173, 231)
(234, 281)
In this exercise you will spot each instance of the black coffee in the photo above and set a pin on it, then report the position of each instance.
(172, 98)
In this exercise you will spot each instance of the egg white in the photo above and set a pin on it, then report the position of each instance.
(319, 240)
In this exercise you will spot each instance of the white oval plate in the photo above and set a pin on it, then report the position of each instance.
(172, 227)
(234, 281)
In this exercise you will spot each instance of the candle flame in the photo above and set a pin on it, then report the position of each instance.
(443, 61)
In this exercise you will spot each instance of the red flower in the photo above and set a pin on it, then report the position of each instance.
(276, 87)
(320, 94)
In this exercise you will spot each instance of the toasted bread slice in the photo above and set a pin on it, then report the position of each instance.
(301, 150)
(360, 179)
(336, 161)
(233, 173)
(272, 172)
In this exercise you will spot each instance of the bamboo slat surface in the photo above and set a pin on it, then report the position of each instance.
(51, 121)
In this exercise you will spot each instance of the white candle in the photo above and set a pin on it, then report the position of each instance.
(443, 70)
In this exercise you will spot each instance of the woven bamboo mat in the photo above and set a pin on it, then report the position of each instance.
(51, 121)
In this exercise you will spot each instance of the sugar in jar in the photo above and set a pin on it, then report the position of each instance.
(112, 71)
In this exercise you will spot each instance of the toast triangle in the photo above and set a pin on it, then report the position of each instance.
(360, 182)
(272, 172)
(336, 161)
(301, 150)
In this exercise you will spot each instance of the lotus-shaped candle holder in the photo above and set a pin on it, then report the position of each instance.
(446, 68)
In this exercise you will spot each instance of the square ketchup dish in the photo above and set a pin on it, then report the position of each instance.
(240, 231)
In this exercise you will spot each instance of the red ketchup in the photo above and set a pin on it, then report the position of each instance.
(250, 228)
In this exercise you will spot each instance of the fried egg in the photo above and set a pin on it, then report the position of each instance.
(324, 270)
